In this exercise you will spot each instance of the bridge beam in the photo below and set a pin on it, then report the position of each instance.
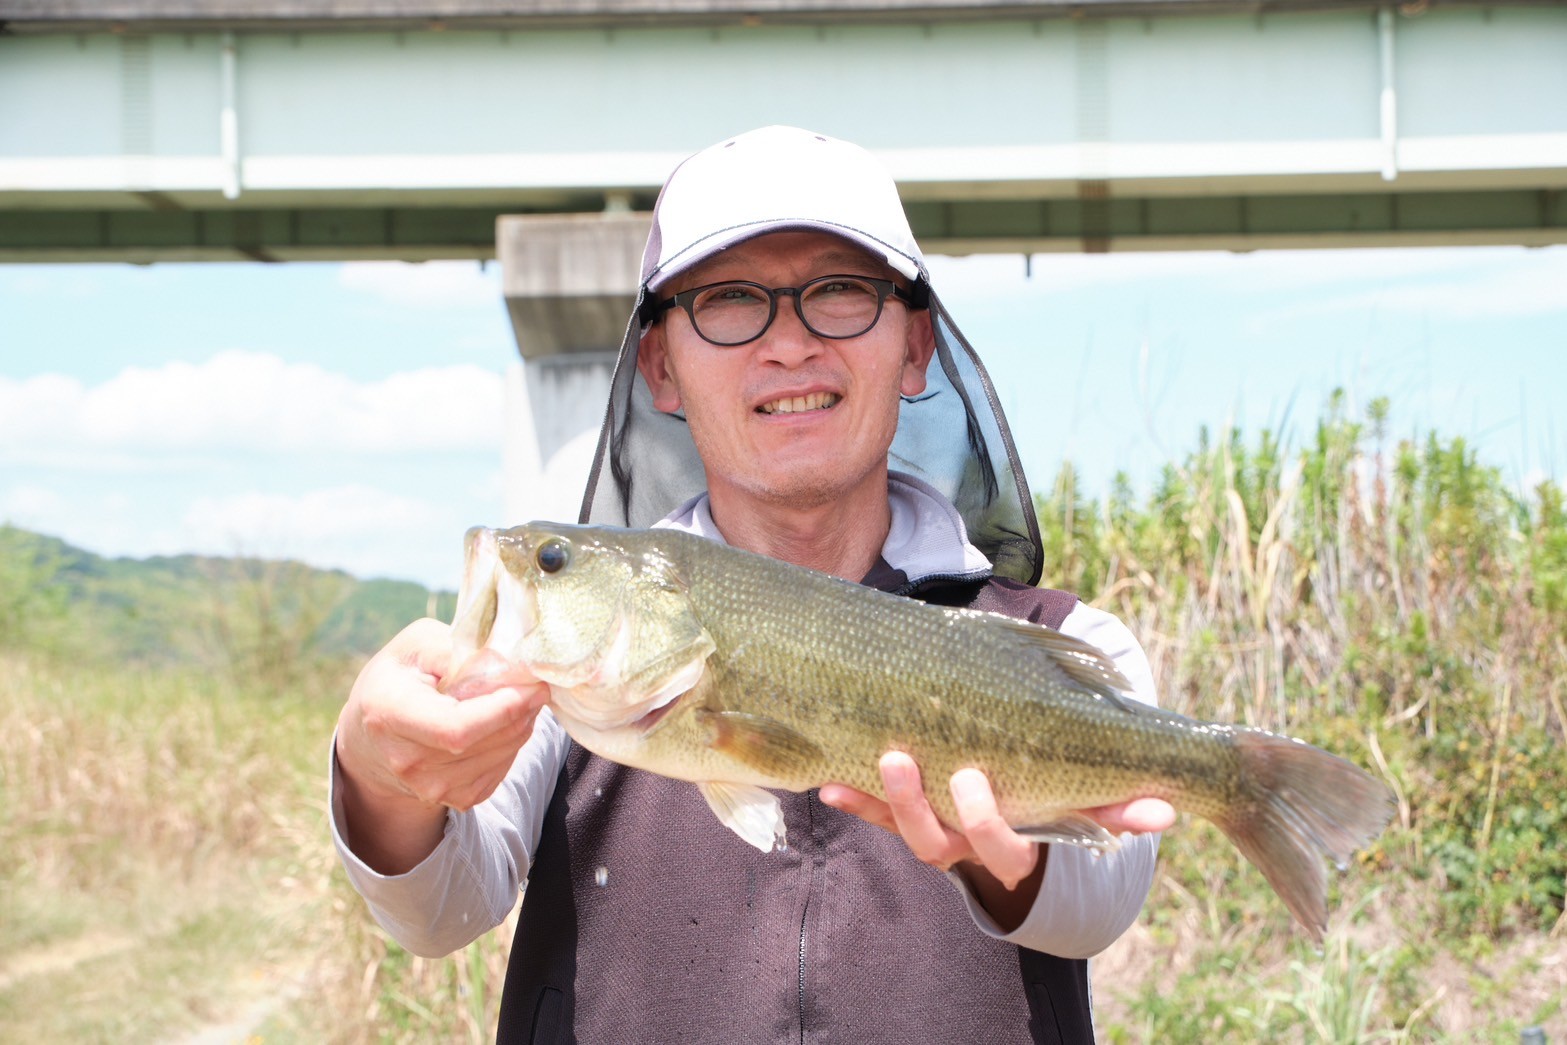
(1372, 218)
(1201, 128)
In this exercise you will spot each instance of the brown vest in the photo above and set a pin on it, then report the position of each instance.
(646, 920)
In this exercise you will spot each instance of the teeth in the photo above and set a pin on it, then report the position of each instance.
(797, 404)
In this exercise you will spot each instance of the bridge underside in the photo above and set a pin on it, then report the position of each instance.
(168, 232)
(1016, 132)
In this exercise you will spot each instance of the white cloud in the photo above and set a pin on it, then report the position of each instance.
(33, 507)
(364, 530)
(430, 284)
(245, 401)
(367, 531)
(263, 520)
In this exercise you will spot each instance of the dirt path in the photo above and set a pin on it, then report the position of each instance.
(61, 957)
(251, 1008)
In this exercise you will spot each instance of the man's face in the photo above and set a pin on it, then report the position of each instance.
(790, 418)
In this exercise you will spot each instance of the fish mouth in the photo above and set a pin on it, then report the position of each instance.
(801, 403)
(494, 609)
(600, 681)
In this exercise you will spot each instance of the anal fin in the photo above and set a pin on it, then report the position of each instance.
(1072, 829)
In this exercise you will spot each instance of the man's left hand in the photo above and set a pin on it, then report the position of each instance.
(1004, 868)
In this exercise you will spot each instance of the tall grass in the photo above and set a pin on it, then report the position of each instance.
(1398, 604)
(165, 864)
(160, 841)
(165, 868)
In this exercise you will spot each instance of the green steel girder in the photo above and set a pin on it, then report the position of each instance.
(1530, 216)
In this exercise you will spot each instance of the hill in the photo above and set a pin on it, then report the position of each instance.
(246, 613)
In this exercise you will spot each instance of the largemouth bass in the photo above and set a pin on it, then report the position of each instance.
(678, 655)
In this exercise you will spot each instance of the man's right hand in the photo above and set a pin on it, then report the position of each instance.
(420, 734)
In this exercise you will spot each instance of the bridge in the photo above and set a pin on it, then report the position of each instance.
(150, 130)
(278, 130)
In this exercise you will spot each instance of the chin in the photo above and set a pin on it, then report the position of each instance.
(809, 486)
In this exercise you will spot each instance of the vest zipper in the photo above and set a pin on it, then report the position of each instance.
(805, 912)
(802, 968)
(915, 587)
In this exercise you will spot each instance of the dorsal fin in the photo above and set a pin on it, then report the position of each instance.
(1083, 663)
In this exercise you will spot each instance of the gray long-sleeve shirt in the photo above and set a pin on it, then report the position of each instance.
(471, 881)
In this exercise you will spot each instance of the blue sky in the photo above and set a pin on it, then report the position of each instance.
(351, 414)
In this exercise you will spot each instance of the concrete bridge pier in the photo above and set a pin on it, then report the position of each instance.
(570, 282)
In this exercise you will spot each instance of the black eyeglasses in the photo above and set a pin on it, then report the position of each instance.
(739, 312)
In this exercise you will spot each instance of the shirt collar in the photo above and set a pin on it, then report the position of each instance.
(926, 539)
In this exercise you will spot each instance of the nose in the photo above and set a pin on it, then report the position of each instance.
(788, 341)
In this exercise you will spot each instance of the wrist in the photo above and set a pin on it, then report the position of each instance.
(391, 830)
(1007, 906)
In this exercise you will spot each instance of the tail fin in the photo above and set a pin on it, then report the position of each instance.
(1301, 805)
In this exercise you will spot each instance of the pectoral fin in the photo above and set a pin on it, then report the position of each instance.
(763, 743)
(1073, 829)
(753, 814)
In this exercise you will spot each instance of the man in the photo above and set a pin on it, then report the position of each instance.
(786, 347)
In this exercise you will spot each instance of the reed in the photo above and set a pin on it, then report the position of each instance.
(1400, 605)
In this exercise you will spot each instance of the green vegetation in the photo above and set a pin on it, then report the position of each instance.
(259, 619)
(1401, 606)
(167, 866)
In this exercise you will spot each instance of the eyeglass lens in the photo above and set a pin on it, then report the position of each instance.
(836, 307)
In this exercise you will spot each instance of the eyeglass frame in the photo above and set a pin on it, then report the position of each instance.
(918, 298)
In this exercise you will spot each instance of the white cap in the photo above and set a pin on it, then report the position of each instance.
(773, 179)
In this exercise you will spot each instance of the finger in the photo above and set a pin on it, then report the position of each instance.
(1005, 854)
(485, 671)
(438, 764)
(425, 644)
(1139, 816)
(924, 833)
(867, 807)
(396, 727)
(463, 727)
(462, 785)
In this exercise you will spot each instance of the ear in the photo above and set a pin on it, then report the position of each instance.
(921, 345)
(653, 362)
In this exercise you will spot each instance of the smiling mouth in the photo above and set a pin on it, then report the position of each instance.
(800, 404)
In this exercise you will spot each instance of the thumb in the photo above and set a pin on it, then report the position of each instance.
(485, 672)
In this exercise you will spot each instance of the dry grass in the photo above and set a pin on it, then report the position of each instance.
(168, 871)
(161, 845)
(1405, 610)
(165, 864)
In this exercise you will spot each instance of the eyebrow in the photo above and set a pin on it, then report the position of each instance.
(844, 257)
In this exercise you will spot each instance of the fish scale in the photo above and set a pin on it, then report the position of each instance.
(949, 691)
(679, 655)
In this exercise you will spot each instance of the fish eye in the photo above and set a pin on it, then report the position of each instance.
(552, 556)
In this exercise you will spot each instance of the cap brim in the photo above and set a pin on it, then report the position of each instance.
(712, 245)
